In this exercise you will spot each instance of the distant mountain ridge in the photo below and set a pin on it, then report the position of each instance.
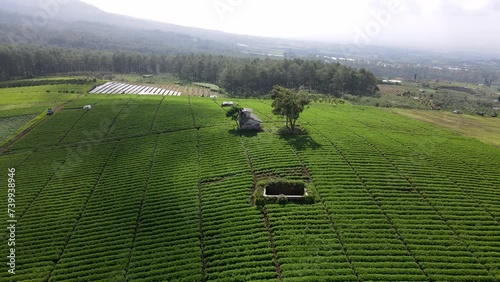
(75, 10)
(73, 23)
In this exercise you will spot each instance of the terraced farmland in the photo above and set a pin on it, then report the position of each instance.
(124, 88)
(158, 188)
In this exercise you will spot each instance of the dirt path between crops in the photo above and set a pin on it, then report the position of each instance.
(29, 129)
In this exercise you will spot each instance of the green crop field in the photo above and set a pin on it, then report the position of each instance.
(486, 129)
(9, 125)
(21, 101)
(159, 189)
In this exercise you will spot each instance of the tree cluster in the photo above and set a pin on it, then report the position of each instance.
(238, 76)
(253, 77)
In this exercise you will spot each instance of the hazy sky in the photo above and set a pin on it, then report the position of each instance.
(438, 24)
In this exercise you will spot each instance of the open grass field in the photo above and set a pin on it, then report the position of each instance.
(486, 129)
(157, 188)
(21, 101)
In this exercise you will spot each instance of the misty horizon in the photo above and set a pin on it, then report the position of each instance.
(444, 25)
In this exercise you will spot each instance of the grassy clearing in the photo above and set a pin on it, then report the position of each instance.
(485, 129)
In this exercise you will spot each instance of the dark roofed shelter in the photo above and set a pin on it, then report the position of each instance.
(249, 120)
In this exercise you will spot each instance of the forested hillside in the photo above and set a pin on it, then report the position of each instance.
(246, 77)
(75, 24)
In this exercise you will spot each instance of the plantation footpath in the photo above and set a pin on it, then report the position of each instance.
(159, 188)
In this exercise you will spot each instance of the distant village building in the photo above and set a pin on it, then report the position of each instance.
(249, 121)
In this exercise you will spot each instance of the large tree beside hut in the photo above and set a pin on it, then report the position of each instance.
(289, 104)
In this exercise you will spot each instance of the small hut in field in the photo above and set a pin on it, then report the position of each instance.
(249, 120)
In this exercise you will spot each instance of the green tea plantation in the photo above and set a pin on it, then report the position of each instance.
(160, 188)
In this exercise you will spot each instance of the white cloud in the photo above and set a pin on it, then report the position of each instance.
(419, 23)
(475, 5)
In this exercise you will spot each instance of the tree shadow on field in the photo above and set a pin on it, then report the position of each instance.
(301, 142)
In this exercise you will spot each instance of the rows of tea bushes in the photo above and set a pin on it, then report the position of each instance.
(461, 206)
(136, 118)
(54, 129)
(122, 117)
(40, 169)
(167, 246)
(105, 231)
(51, 208)
(466, 202)
(162, 192)
(174, 114)
(99, 122)
(93, 100)
(432, 214)
(236, 242)
(306, 244)
(447, 156)
(222, 154)
(51, 131)
(420, 222)
(366, 234)
(208, 113)
(272, 157)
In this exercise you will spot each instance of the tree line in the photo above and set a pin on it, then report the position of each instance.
(238, 76)
(25, 83)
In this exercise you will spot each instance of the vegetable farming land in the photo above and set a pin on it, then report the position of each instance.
(158, 188)
(446, 96)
